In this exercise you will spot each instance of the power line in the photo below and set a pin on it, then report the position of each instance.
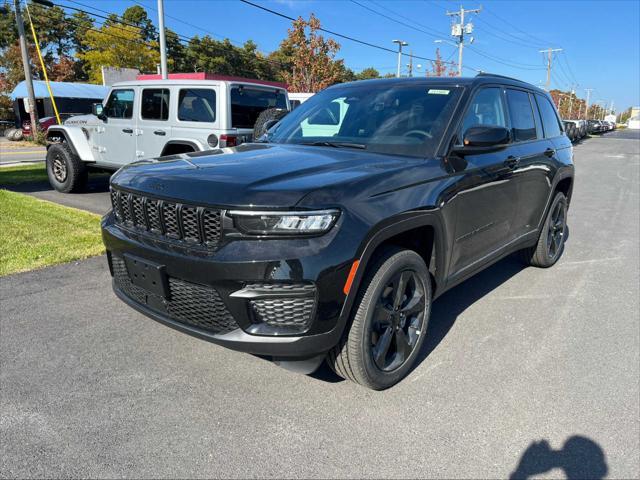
(426, 32)
(330, 32)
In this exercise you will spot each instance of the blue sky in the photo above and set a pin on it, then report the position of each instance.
(601, 39)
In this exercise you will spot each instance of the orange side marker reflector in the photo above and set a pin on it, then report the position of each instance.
(352, 274)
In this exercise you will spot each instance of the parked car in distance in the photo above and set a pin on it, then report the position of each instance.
(332, 244)
(570, 129)
(634, 123)
(151, 118)
(44, 123)
(596, 126)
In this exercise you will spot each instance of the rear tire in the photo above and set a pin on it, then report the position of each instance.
(265, 116)
(388, 328)
(550, 246)
(66, 172)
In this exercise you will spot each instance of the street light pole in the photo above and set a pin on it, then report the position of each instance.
(163, 41)
(401, 43)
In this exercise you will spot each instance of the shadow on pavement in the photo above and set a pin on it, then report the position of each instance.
(579, 458)
(446, 309)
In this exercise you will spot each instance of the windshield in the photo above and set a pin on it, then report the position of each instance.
(403, 118)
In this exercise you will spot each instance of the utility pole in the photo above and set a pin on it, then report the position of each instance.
(586, 112)
(410, 64)
(163, 41)
(549, 52)
(27, 68)
(459, 29)
(571, 101)
(401, 43)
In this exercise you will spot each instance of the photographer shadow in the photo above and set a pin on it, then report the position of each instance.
(579, 458)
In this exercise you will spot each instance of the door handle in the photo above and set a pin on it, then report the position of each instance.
(512, 162)
(127, 130)
(550, 152)
(162, 133)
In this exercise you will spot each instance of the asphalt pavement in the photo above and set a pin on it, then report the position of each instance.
(11, 154)
(533, 371)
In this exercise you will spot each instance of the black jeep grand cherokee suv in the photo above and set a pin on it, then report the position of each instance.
(331, 236)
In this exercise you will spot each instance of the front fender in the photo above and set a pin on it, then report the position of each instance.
(388, 229)
(76, 139)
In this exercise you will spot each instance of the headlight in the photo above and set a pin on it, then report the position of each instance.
(284, 223)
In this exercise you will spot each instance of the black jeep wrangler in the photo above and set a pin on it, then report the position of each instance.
(331, 236)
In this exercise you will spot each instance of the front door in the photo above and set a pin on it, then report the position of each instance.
(154, 129)
(115, 139)
(486, 196)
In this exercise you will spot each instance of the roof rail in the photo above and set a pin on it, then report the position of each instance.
(487, 74)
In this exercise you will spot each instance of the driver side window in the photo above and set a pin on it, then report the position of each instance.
(120, 104)
(487, 108)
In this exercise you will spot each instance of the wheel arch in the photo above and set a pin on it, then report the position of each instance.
(177, 144)
(419, 231)
(75, 138)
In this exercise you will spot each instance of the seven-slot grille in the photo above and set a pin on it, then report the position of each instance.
(193, 225)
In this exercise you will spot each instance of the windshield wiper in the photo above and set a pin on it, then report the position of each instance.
(336, 144)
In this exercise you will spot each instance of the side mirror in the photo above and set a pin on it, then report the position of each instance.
(483, 139)
(97, 110)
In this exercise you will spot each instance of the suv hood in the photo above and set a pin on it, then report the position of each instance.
(258, 175)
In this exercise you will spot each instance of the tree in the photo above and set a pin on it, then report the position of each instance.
(313, 62)
(137, 16)
(439, 68)
(118, 46)
(367, 74)
(8, 30)
(568, 104)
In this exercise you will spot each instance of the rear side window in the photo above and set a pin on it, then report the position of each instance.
(550, 120)
(155, 104)
(197, 105)
(247, 103)
(487, 108)
(120, 104)
(523, 126)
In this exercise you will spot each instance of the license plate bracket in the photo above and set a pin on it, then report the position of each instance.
(147, 275)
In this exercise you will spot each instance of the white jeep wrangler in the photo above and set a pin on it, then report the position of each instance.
(152, 118)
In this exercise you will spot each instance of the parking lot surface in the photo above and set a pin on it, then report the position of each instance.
(513, 356)
(11, 153)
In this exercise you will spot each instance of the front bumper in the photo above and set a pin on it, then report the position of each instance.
(216, 296)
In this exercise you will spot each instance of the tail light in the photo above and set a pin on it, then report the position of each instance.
(228, 140)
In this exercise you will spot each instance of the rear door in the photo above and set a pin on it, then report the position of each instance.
(486, 199)
(533, 172)
(154, 128)
(196, 115)
(115, 138)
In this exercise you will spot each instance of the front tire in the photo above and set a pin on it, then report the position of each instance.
(66, 172)
(389, 325)
(552, 238)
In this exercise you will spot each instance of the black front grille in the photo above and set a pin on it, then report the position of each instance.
(174, 221)
(196, 305)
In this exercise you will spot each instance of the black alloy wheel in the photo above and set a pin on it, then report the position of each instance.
(398, 320)
(556, 229)
(390, 321)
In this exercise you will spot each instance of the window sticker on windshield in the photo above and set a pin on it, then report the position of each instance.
(435, 91)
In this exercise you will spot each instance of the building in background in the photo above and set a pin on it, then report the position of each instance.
(71, 99)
